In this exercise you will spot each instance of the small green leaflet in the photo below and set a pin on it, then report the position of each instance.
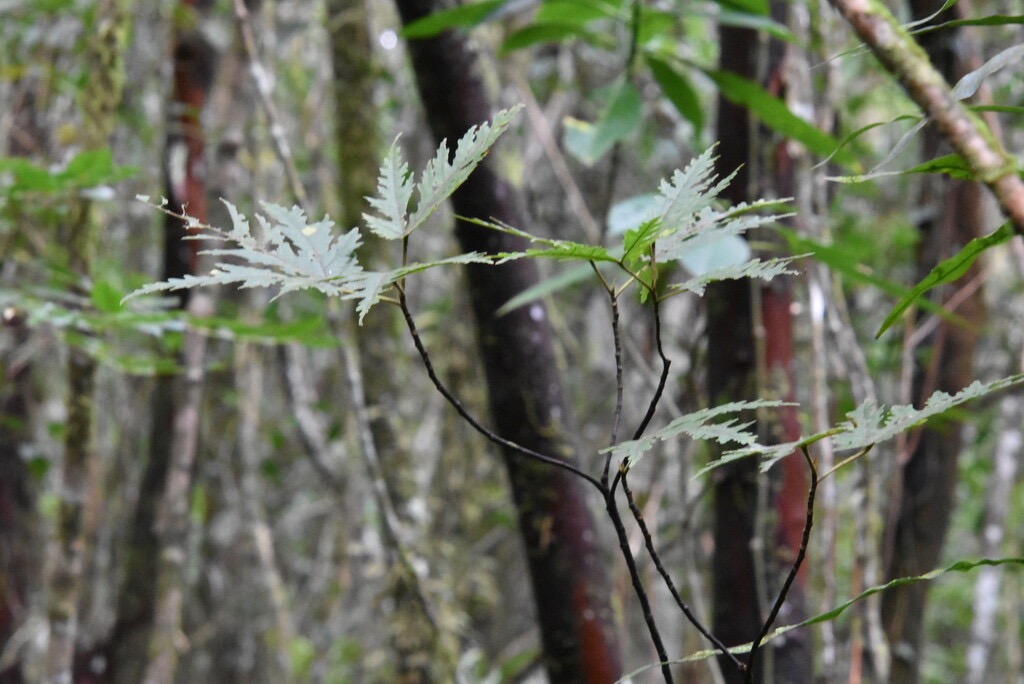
(440, 178)
(947, 271)
(394, 190)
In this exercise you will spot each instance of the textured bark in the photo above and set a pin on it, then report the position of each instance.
(567, 568)
(124, 651)
(929, 476)
(422, 653)
(19, 525)
(733, 374)
(731, 366)
(79, 472)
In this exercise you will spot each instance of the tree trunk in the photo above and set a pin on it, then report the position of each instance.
(79, 480)
(193, 70)
(922, 510)
(737, 370)
(568, 569)
(422, 651)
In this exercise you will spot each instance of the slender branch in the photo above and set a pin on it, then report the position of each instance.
(261, 79)
(797, 562)
(966, 131)
(638, 585)
(467, 416)
(391, 524)
(666, 363)
(617, 417)
(649, 543)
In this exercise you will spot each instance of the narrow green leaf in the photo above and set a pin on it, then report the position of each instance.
(547, 287)
(952, 165)
(774, 114)
(573, 12)
(961, 566)
(947, 271)
(756, 22)
(990, 20)
(463, 16)
(548, 33)
(678, 90)
(621, 117)
(759, 7)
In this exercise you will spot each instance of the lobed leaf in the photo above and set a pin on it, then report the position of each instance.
(699, 425)
(441, 178)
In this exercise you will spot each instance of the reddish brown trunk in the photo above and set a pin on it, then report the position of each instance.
(568, 570)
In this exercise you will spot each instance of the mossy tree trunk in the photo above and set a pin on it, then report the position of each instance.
(79, 477)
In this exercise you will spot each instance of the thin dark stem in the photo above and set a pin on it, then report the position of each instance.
(665, 364)
(797, 562)
(649, 543)
(617, 418)
(638, 585)
(467, 416)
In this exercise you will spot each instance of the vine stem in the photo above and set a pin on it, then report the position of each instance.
(607, 494)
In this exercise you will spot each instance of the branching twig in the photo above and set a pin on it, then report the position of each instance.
(261, 79)
(638, 585)
(964, 130)
(617, 417)
(666, 363)
(466, 415)
(649, 543)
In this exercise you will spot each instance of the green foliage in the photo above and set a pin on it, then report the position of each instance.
(620, 118)
(868, 424)
(289, 253)
(439, 180)
(683, 220)
(700, 425)
(88, 169)
(947, 271)
(462, 16)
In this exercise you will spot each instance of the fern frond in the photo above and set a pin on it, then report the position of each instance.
(699, 425)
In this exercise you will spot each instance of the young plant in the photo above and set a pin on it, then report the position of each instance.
(289, 253)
